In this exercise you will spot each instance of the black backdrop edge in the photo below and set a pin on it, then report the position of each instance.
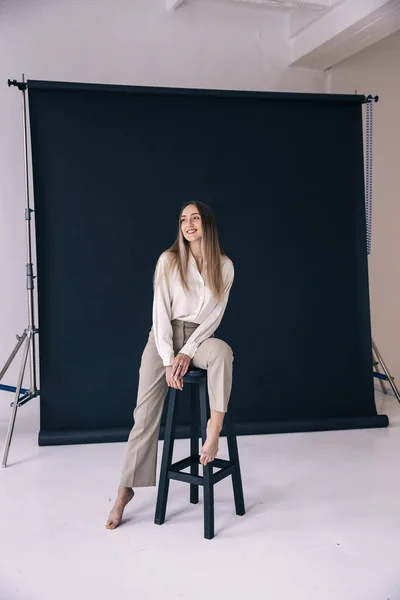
(136, 89)
(120, 434)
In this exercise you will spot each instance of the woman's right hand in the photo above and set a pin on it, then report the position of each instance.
(178, 383)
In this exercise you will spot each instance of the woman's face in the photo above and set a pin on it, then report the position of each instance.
(191, 225)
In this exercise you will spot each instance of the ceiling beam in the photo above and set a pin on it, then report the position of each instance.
(173, 4)
(310, 4)
(313, 4)
(347, 28)
(316, 3)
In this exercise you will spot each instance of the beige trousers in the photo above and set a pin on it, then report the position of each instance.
(213, 354)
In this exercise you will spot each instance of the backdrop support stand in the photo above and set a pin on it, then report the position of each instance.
(27, 340)
(368, 211)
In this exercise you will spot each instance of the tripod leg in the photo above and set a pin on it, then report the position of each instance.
(13, 354)
(389, 377)
(375, 363)
(15, 405)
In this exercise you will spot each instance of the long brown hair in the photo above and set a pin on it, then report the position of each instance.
(211, 252)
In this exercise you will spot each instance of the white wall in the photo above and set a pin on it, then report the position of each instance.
(127, 42)
(376, 71)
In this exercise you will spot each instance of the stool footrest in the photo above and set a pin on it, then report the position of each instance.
(224, 472)
(186, 477)
(174, 472)
(184, 463)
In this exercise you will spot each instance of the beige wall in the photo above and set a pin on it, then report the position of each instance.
(376, 71)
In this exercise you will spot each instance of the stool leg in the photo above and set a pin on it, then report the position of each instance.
(194, 443)
(234, 458)
(208, 483)
(169, 437)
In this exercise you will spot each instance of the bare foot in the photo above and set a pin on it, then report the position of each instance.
(125, 495)
(210, 449)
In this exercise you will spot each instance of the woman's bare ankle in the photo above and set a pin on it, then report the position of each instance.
(125, 493)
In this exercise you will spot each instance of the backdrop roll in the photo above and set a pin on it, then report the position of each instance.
(284, 174)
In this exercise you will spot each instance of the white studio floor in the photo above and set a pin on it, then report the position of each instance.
(322, 522)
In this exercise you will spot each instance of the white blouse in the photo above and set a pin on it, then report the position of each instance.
(172, 301)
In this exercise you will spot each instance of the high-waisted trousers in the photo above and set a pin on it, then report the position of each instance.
(213, 354)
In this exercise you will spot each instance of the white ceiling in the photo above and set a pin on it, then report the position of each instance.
(283, 5)
(322, 33)
(286, 5)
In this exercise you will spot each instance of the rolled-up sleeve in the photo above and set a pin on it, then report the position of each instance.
(162, 327)
(210, 324)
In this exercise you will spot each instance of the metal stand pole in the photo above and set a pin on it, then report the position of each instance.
(28, 337)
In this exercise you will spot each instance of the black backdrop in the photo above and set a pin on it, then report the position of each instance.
(284, 174)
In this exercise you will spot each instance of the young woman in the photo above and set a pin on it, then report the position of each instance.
(192, 281)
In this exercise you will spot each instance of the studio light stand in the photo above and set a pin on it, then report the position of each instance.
(27, 340)
(376, 356)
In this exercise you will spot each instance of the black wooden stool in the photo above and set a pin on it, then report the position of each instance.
(198, 377)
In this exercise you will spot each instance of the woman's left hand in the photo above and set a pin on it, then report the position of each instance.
(184, 361)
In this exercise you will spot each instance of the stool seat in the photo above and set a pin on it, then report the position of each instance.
(199, 395)
(196, 371)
